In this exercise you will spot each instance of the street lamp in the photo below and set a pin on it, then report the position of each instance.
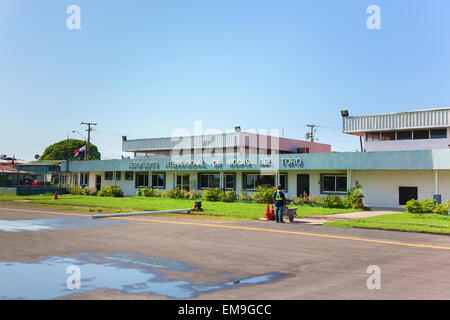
(85, 155)
(74, 131)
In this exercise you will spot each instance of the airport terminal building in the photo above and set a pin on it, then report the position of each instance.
(406, 155)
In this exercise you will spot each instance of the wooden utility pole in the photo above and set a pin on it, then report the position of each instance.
(89, 129)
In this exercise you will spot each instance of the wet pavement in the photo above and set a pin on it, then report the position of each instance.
(53, 224)
(51, 277)
(182, 257)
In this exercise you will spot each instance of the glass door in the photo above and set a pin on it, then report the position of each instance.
(183, 182)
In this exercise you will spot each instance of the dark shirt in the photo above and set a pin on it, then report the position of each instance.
(279, 203)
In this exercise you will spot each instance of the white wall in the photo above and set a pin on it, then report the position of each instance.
(381, 187)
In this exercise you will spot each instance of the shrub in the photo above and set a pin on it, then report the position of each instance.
(76, 191)
(177, 193)
(264, 195)
(111, 191)
(443, 208)
(427, 206)
(147, 192)
(86, 191)
(354, 197)
(228, 196)
(311, 200)
(157, 193)
(89, 191)
(317, 200)
(193, 195)
(413, 206)
(244, 196)
(333, 201)
(212, 194)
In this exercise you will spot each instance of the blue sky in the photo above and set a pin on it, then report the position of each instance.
(145, 68)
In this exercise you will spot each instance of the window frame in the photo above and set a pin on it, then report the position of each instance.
(303, 150)
(421, 131)
(128, 174)
(372, 139)
(84, 179)
(439, 136)
(163, 174)
(109, 175)
(138, 174)
(388, 134)
(231, 174)
(404, 131)
(200, 187)
(255, 185)
(182, 184)
(335, 175)
(285, 187)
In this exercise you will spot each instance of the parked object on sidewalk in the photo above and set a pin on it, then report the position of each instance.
(197, 206)
(290, 212)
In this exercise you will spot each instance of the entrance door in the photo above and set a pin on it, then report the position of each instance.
(302, 184)
(98, 182)
(406, 193)
(183, 182)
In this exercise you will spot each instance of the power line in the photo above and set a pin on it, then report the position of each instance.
(312, 131)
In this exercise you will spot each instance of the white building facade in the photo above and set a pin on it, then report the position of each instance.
(392, 170)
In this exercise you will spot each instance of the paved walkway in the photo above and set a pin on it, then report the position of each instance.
(321, 219)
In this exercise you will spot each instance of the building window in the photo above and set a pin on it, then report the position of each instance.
(283, 181)
(209, 181)
(84, 179)
(438, 134)
(128, 175)
(183, 182)
(302, 150)
(108, 175)
(118, 175)
(404, 135)
(142, 180)
(230, 181)
(158, 180)
(385, 136)
(334, 183)
(421, 134)
(373, 136)
(252, 181)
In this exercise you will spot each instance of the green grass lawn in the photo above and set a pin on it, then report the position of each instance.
(432, 223)
(233, 210)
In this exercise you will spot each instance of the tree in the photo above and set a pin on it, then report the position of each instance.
(63, 150)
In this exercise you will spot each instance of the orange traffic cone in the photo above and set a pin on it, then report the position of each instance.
(272, 214)
(56, 196)
(267, 213)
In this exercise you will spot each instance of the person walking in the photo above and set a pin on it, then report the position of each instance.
(280, 200)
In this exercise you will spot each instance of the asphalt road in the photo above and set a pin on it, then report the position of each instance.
(303, 261)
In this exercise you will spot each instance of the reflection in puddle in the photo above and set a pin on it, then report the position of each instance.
(128, 273)
(52, 224)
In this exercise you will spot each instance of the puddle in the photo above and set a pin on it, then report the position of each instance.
(128, 273)
(52, 224)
